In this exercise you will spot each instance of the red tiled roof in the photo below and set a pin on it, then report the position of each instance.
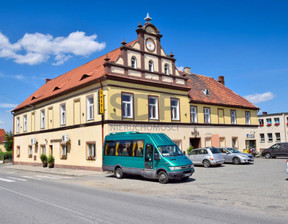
(94, 69)
(2, 135)
(218, 93)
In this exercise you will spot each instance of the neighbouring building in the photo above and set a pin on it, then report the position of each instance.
(273, 128)
(135, 87)
(2, 139)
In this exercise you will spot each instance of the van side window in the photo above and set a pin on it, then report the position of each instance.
(138, 146)
(109, 148)
(133, 148)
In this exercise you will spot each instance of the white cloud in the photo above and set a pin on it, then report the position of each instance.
(37, 48)
(180, 68)
(7, 105)
(2, 122)
(258, 98)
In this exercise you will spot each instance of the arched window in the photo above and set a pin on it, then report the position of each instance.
(167, 70)
(133, 62)
(151, 66)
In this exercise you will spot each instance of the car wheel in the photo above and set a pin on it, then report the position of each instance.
(267, 155)
(118, 173)
(236, 161)
(206, 163)
(163, 177)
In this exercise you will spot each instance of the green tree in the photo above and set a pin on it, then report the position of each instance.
(8, 144)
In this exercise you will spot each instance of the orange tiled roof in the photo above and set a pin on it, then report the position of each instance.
(2, 135)
(72, 79)
(218, 93)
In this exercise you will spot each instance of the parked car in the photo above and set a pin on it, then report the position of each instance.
(278, 149)
(209, 156)
(234, 156)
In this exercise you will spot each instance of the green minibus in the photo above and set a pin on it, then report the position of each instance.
(151, 155)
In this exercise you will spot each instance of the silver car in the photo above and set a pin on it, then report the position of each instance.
(234, 156)
(209, 156)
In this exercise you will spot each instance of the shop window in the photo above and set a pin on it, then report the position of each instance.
(276, 121)
(175, 113)
(151, 66)
(127, 105)
(63, 114)
(90, 108)
(278, 137)
(133, 62)
(270, 137)
(207, 115)
(262, 137)
(193, 114)
(235, 142)
(233, 117)
(42, 117)
(25, 123)
(261, 122)
(269, 121)
(153, 107)
(247, 117)
(18, 124)
(91, 151)
(166, 69)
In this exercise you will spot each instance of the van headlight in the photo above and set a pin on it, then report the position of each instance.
(175, 167)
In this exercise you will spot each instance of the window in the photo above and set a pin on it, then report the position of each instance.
(30, 151)
(63, 114)
(153, 107)
(18, 124)
(175, 113)
(276, 121)
(25, 123)
(207, 115)
(166, 69)
(91, 151)
(193, 114)
(43, 149)
(261, 122)
(208, 142)
(127, 105)
(247, 117)
(270, 137)
(133, 62)
(262, 137)
(42, 116)
(151, 66)
(278, 138)
(233, 117)
(269, 121)
(18, 151)
(64, 151)
(234, 142)
(90, 108)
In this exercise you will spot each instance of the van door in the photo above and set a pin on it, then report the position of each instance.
(149, 156)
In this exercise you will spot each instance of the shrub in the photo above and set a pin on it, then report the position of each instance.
(190, 149)
(51, 159)
(44, 158)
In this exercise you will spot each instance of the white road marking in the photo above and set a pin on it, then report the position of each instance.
(15, 178)
(7, 180)
(32, 177)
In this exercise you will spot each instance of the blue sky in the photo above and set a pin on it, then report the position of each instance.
(246, 41)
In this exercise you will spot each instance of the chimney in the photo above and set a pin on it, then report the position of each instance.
(264, 113)
(187, 70)
(221, 80)
(47, 80)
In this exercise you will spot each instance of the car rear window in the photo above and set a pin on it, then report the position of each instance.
(214, 150)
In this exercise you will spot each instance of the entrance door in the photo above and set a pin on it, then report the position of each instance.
(195, 142)
(149, 156)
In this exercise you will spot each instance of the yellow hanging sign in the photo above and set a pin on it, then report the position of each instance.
(100, 102)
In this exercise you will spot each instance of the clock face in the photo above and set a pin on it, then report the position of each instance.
(150, 44)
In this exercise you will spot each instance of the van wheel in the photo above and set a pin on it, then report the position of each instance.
(163, 177)
(236, 161)
(267, 155)
(118, 173)
(206, 163)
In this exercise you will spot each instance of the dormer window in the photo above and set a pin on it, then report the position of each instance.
(133, 62)
(151, 66)
(166, 69)
(206, 92)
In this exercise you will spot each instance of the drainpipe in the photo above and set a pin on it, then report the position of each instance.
(102, 120)
(13, 138)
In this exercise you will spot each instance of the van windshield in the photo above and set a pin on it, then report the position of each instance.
(170, 150)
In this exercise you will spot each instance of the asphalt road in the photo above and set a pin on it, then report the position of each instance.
(28, 197)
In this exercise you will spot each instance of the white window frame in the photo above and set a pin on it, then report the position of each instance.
(207, 115)
(42, 119)
(276, 118)
(151, 66)
(152, 107)
(167, 69)
(175, 109)
(91, 150)
(247, 117)
(63, 114)
(134, 62)
(233, 117)
(90, 108)
(193, 114)
(25, 123)
(125, 104)
(270, 139)
(18, 124)
(43, 149)
(262, 139)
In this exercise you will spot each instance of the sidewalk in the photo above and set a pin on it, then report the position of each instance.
(57, 171)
